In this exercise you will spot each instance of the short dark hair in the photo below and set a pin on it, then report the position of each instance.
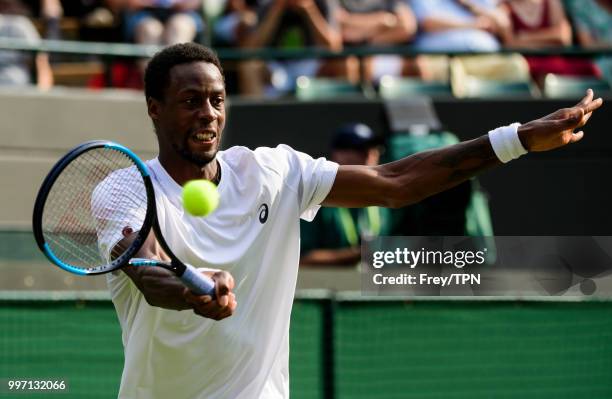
(157, 74)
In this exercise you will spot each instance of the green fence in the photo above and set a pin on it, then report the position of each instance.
(350, 349)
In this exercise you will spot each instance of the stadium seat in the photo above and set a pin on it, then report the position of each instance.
(68, 26)
(434, 67)
(491, 75)
(76, 74)
(308, 88)
(393, 87)
(484, 88)
(605, 65)
(556, 86)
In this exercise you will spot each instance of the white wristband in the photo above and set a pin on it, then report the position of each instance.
(506, 143)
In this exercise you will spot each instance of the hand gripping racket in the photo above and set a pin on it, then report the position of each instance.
(93, 199)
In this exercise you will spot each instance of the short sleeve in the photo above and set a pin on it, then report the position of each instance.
(316, 180)
(311, 179)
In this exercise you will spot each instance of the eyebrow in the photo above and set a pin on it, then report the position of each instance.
(190, 89)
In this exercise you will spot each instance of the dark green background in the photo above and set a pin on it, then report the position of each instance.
(381, 349)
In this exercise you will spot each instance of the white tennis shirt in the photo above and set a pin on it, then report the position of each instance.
(254, 235)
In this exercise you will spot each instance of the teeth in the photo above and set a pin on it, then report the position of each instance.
(205, 136)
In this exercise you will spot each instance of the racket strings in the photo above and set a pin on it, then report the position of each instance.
(101, 170)
(67, 218)
(89, 206)
(66, 227)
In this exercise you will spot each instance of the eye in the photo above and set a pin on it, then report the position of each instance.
(192, 101)
(217, 101)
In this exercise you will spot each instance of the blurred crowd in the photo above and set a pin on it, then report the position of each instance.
(425, 25)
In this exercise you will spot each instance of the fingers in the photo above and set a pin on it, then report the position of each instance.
(196, 300)
(224, 283)
(205, 306)
(225, 303)
(587, 104)
(585, 119)
(571, 119)
(593, 105)
(229, 309)
(577, 136)
(586, 99)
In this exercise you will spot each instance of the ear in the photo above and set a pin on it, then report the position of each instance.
(153, 108)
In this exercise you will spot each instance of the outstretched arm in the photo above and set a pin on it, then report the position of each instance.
(328, 256)
(421, 175)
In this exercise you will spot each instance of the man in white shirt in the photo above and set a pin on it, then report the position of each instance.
(250, 244)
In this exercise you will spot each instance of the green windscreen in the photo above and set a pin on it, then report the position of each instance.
(351, 349)
(473, 350)
(76, 341)
(305, 350)
(80, 341)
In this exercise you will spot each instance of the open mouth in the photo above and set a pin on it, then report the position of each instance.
(204, 137)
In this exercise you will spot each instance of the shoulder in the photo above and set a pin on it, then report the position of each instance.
(241, 158)
(279, 158)
(281, 164)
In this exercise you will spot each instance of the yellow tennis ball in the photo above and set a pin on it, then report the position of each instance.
(200, 197)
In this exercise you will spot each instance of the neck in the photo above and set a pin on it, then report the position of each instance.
(182, 171)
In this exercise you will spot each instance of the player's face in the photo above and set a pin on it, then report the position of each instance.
(191, 117)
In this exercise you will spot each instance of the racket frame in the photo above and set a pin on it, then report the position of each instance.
(188, 274)
(43, 193)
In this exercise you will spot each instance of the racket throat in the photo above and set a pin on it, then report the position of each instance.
(174, 267)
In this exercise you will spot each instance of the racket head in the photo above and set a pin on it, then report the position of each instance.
(75, 220)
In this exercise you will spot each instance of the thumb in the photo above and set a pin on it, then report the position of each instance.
(577, 136)
(222, 289)
(223, 283)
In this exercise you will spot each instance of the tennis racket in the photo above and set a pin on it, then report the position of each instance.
(94, 211)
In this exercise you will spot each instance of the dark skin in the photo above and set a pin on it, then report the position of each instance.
(418, 176)
(194, 103)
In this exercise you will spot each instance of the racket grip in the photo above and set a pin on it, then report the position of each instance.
(198, 283)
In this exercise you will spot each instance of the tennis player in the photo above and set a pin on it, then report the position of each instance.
(250, 244)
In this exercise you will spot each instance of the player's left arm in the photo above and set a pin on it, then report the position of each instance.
(421, 175)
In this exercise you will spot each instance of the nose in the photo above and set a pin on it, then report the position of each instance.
(207, 112)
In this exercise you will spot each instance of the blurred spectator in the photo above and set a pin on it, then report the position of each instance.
(238, 18)
(51, 11)
(543, 24)
(160, 21)
(151, 22)
(457, 25)
(535, 24)
(76, 19)
(290, 24)
(593, 21)
(15, 66)
(334, 236)
(377, 22)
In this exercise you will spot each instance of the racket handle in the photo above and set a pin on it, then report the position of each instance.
(198, 283)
